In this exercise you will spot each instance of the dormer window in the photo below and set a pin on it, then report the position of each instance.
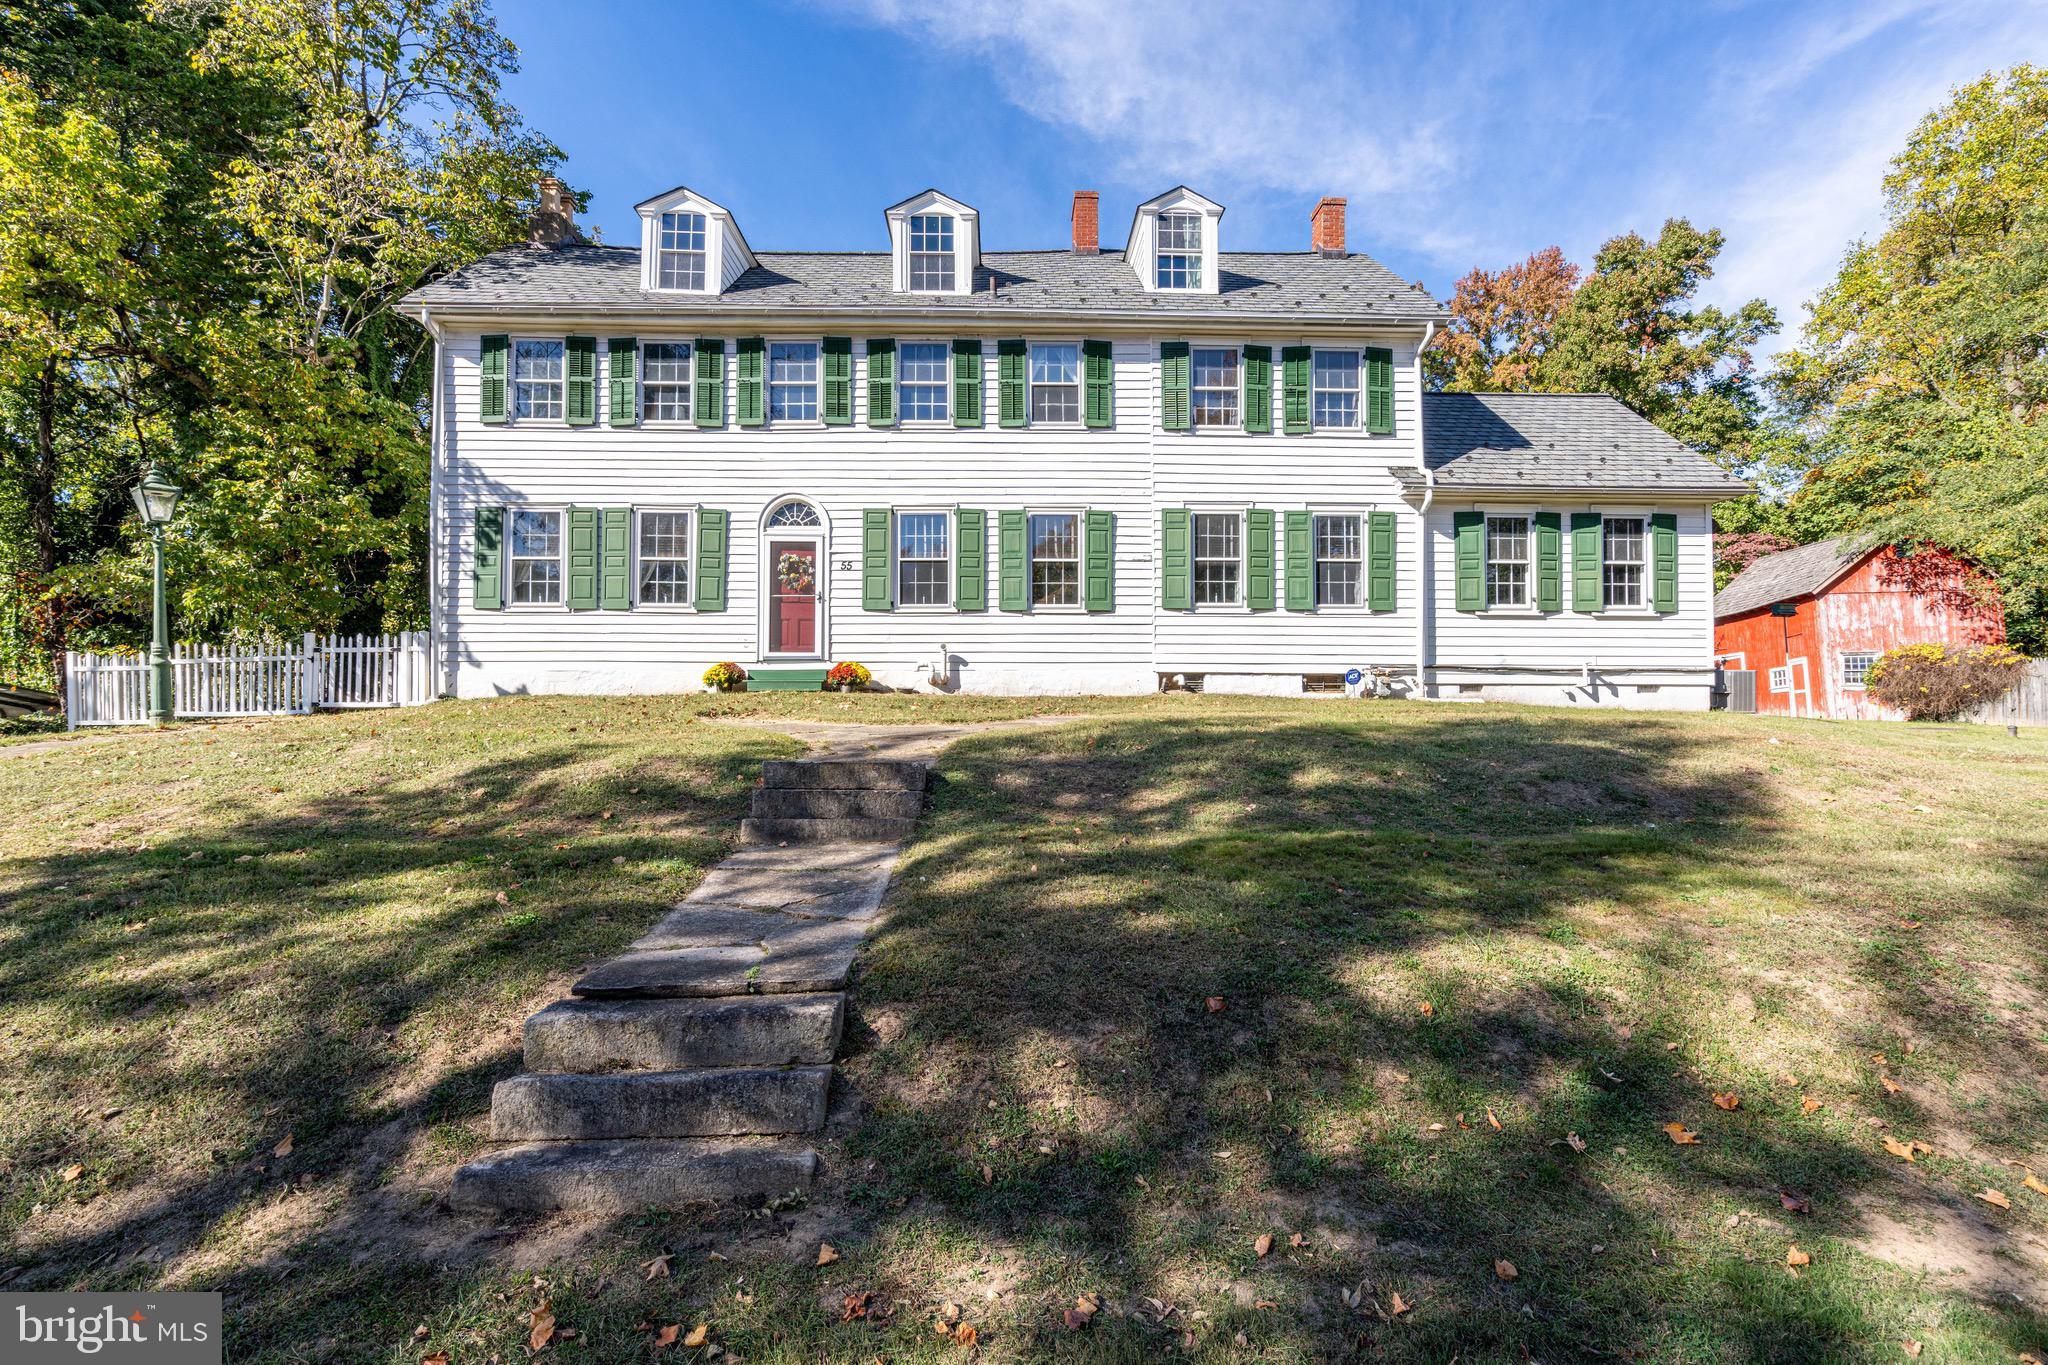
(1180, 251)
(931, 253)
(682, 251)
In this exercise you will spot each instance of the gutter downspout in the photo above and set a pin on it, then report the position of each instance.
(434, 431)
(1424, 608)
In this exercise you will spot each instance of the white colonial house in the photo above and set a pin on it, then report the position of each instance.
(1057, 471)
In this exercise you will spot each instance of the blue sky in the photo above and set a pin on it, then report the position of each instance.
(1462, 134)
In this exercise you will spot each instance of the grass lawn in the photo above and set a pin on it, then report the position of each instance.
(1449, 945)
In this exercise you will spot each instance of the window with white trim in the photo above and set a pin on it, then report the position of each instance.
(1213, 386)
(682, 251)
(931, 252)
(1507, 561)
(1340, 560)
(923, 559)
(1055, 559)
(537, 380)
(536, 558)
(1179, 251)
(1219, 558)
(1781, 678)
(793, 381)
(1055, 382)
(924, 388)
(665, 381)
(1856, 668)
(1621, 562)
(1335, 389)
(664, 552)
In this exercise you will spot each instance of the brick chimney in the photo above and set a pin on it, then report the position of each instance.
(554, 216)
(1326, 227)
(1086, 241)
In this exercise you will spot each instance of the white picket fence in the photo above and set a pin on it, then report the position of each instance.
(332, 671)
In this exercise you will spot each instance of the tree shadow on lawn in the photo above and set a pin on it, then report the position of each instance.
(339, 969)
(1414, 930)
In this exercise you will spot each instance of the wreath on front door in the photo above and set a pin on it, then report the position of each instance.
(797, 572)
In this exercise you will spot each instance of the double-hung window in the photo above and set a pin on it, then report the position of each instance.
(924, 388)
(536, 557)
(793, 381)
(1340, 560)
(1621, 562)
(1856, 669)
(1180, 251)
(1214, 386)
(682, 251)
(923, 559)
(537, 379)
(664, 553)
(1219, 558)
(1055, 382)
(1507, 561)
(665, 381)
(1055, 559)
(931, 252)
(1335, 391)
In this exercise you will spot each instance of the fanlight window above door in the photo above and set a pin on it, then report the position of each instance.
(795, 514)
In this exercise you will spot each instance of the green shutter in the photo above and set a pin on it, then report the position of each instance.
(1012, 361)
(1098, 384)
(881, 382)
(1664, 562)
(750, 404)
(1258, 559)
(615, 568)
(624, 387)
(970, 560)
(1549, 562)
(1301, 566)
(1379, 390)
(579, 403)
(1098, 562)
(966, 383)
(1585, 561)
(709, 400)
(490, 390)
(487, 573)
(1258, 388)
(1468, 550)
(711, 557)
(1294, 381)
(1013, 585)
(1173, 386)
(1379, 561)
(837, 355)
(1176, 560)
(581, 567)
(874, 559)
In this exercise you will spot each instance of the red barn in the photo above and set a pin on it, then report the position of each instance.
(1810, 621)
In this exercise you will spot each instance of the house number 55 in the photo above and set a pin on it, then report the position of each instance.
(845, 566)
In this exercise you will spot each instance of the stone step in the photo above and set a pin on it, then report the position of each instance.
(886, 774)
(676, 1035)
(836, 803)
(627, 1177)
(660, 1104)
(842, 881)
(759, 831)
(811, 955)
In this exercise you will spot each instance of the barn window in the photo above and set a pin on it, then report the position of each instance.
(1856, 667)
(1781, 679)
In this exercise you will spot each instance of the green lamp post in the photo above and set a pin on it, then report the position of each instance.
(157, 499)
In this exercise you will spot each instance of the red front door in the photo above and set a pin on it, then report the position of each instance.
(793, 597)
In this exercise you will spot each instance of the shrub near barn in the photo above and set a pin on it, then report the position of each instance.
(1940, 682)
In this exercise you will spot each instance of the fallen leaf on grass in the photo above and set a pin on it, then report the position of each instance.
(1910, 1347)
(504, 899)
(1397, 1305)
(283, 1148)
(949, 1313)
(855, 1305)
(437, 1358)
(1215, 1004)
(699, 1334)
(964, 1336)
(667, 1335)
(543, 1319)
(1730, 1100)
(1891, 1086)
(1994, 1198)
(1807, 1104)
(1795, 1256)
(1505, 1269)
(71, 1173)
(988, 1175)
(2033, 1182)
(1794, 1203)
(1906, 1150)
(1491, 1119)
(1426, 1008)
(1681, 1134)
(1296, 1239)
(1264, 1243)
(658, 1267)
(826, 1254)
(1573, 1141)
(1909, 924)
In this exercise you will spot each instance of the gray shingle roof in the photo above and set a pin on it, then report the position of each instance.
(1787, 574)
(606, 279)
(1559, 443)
